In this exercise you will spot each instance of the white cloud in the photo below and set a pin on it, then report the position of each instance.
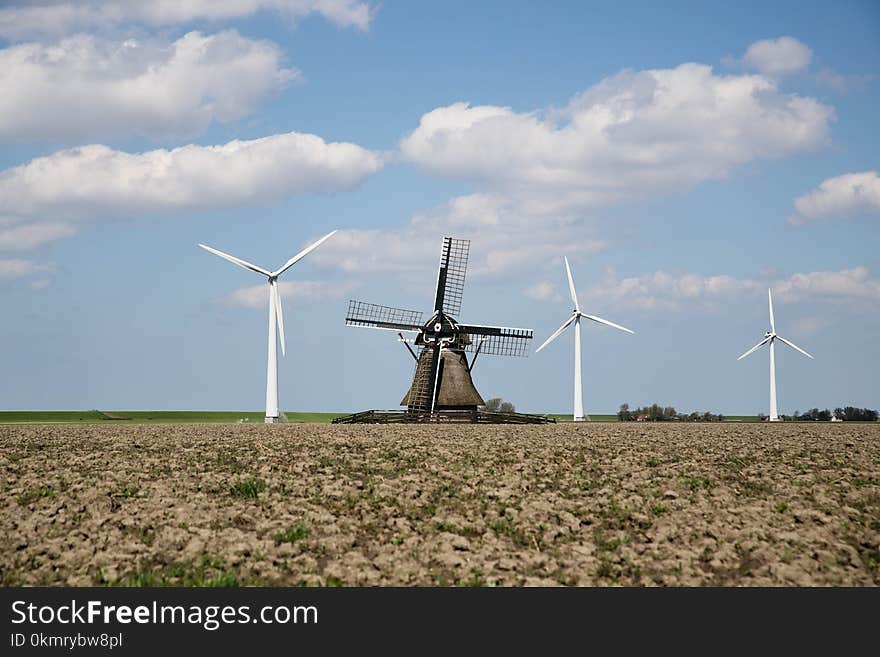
(50, 196)
(842, 196)
(51, 18)
(85, 87)
(24, 237)
(505, 237)
(664, 291)
(98, 179)
(807, 327)
(291, 291)
(544, 173)
(776, 57)
(845, 285)
(543, 291)
(843, 82)
(13, 269)
(629, 136)
(661, 290)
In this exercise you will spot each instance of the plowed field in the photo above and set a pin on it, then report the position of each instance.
(588, 504)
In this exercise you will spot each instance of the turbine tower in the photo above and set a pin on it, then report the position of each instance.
(575, 319)
(276, 316)
(771, 337)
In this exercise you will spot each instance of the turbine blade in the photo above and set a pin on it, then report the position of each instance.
(279, 314)
(606, 322)
(755, 348)
(237, 261)
(794, 346)
(574, 297)
(772, 321)
(302, 254)
(558, 332)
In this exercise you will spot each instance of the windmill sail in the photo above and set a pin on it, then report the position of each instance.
(451, 275)
(496, 340)
(371, 315)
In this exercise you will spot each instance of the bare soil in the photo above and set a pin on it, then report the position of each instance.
(591, 504)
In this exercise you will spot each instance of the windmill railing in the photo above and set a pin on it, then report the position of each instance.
(469, 416)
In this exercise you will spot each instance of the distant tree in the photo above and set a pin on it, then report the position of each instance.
(824, 416)
(657, 413)
(494, 404)
(852, 414)
(498, 405)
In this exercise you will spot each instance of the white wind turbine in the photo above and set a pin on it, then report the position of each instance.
(771, 337)
(276, 315)
(576, 320)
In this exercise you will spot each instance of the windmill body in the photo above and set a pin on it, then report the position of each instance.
(575, 318)
(770, 337)
(442, 379)
(276, 318)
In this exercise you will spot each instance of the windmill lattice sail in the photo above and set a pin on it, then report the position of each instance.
(496, 340)
(372, 315)
(450, 278)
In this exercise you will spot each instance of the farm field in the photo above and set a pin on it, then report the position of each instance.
(567, 504)
(151, 417)
(244, 417)
(566, 417)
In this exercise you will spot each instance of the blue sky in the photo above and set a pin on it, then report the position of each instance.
(685, 158)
